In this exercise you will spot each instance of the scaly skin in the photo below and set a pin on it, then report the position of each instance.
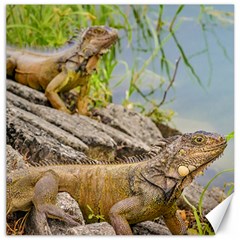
(65, 70)
(123, 193)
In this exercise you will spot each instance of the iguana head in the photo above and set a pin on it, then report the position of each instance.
(87, 48)
(182, 158)
(96, 40)
(193, 152)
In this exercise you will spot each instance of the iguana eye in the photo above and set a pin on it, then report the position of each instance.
(199, 139)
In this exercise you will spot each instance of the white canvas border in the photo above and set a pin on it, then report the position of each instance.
(230, 224)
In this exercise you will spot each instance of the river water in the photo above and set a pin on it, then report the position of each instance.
(209, 107)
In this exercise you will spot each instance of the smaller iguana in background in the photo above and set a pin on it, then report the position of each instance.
(125, 193)
(63, 70)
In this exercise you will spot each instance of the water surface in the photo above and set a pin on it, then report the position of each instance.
(209, 107)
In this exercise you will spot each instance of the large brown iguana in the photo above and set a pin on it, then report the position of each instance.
(124, 193)
(65, 69)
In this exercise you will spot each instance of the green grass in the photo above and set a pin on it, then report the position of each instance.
(92, 215)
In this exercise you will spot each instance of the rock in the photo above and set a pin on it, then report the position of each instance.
(50, 129)
(193, 193)
(27, 93)
(70, 206)
(218, 194)
(166, 130)
(14, 159)
(132, 123)
(102, 228)
(78, 128)
(36, 143)
(81, 133)
(150, 228)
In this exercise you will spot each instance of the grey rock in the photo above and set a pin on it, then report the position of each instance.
(150, 228)
(103, 142)
(36, 144)
(218, 194)
(166, 130)
(27, 93)
(14, 159)
(130, 122)
(193, 193)
(55, 132)
(102, 228)
(70, 206)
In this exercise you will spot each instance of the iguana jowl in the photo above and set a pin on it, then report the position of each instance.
(64, 70)
(123, 193)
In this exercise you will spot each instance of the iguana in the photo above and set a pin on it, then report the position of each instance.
(124, 193)
(65, 69)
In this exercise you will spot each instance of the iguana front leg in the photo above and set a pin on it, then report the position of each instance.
(54, 87)
(66, 81)
(83, 99)
(174, 222)
(123, 212)
(130, 210)
(44, 199)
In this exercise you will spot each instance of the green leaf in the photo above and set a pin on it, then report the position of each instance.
(230, 136)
